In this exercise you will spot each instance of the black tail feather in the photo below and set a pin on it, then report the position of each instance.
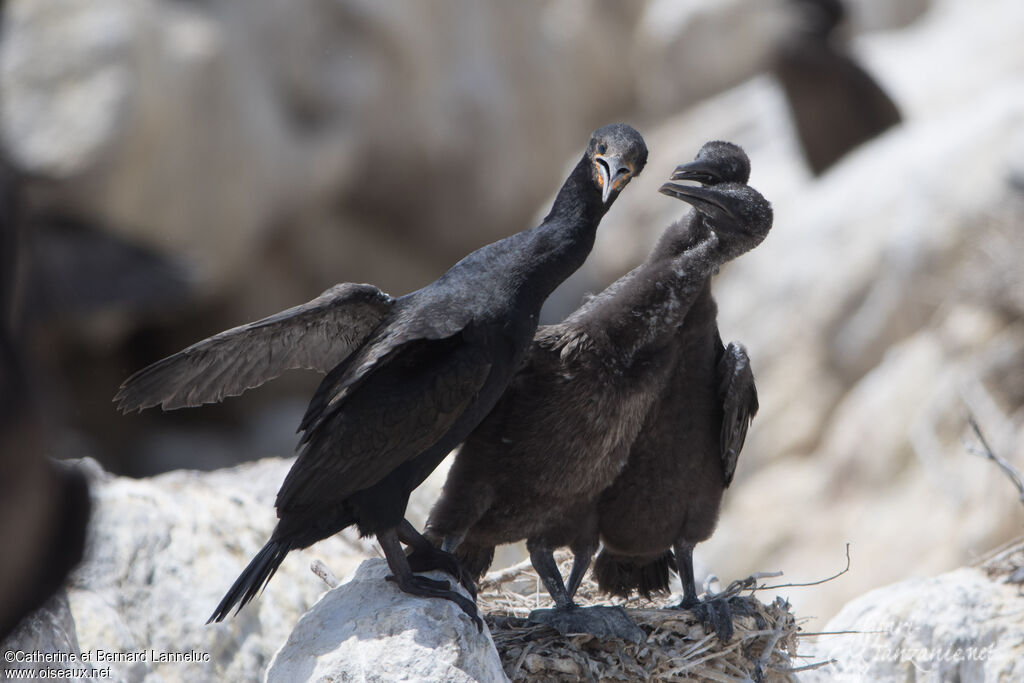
(253, 579)
(621, 574)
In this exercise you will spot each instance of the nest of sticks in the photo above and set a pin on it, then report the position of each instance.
(763, 648)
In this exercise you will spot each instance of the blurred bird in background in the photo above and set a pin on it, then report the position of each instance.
(835, 103)
(44, 506)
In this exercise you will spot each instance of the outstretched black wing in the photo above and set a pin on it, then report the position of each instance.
(316, 335)
(739, 403)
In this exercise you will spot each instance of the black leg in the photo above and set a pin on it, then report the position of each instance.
(420, 585)
(543, 561)
(684, 562)
(566, 617)
(582, 554)
(426, 557)
(713, 613)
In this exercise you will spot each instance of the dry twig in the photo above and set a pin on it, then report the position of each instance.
(325, 574)
(813, 583)
(986, 451)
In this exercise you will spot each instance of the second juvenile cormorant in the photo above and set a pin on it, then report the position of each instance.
(561, 433)
(836, 104)
(669, 493)
(407, 378)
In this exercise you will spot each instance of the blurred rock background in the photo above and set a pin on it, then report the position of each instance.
(244, 155)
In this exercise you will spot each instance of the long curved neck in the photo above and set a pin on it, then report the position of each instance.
(644, 307)
(678, 238)
(561, 243)
(527, 266)
(578, 200)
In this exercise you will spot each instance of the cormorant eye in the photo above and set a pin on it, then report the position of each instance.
(602, 148)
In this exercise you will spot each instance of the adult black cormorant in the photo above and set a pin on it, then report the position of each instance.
(561, 433)
(669, 493)
(407, 378)
(836, 104)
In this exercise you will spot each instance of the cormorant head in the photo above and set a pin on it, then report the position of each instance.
(737, 213)
(716, 162)
(820, 17)
(617, 154)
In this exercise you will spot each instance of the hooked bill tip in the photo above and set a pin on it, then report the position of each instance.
(669, 189)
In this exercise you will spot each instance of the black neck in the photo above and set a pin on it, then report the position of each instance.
(579, 199)
(565, 238)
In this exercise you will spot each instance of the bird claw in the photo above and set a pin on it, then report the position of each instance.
(601, 621)
(424, 582)
(428, 558)
(429, 588)
(714, 614)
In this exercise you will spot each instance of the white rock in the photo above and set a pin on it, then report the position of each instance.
(160, 555)
(878, 15)
(959, 626)
(49, 631)
(84, 46)
(686, 51)
(368, 630)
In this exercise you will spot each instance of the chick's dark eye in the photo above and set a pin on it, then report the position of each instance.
(602, 148)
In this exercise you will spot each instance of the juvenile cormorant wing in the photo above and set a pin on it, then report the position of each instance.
(739, 404)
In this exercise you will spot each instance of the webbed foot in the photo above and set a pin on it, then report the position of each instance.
(602, 621)
(714, 614)
(425, 558)
(424, 582)
(429, 588)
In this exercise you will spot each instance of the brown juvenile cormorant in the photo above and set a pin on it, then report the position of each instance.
(561, 433)
(407, 379)
(669, 493)
(836, 104)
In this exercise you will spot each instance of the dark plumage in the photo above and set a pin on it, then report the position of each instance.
(10, 242)
(836, 104)
(407, 378)
(563, 430)
(669, 493)
(78, 269)
(45, 507)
